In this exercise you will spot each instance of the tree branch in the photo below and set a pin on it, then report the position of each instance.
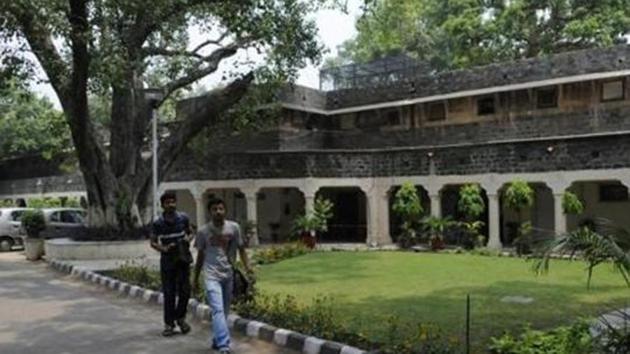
(215, 104)
(40, 40)
(212, 61)
(211, 41)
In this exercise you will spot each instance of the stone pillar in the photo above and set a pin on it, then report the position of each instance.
(436, 201)
(494, 217)
(251, 196)
(309, 202)
(560, 218)
(200, 206)
(372, 210)
(385, 237)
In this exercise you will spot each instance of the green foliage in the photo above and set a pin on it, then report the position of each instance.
(53, 202)
(407, 205)
(470, 201)
(594, 249)
(519, 195)
(29, 124)
(279, 253)
(6, 203)
(571, 204)
(137, 274)
(574, 339)
(317, 220)
(319, 319)
(33, 222)
(463, 33)
(435, 228)
(424, 338)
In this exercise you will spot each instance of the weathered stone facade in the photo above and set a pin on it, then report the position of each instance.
(522, 71)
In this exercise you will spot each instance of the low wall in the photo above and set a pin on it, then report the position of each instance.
(67, 249)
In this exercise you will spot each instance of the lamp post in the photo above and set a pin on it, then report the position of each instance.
(154, 97)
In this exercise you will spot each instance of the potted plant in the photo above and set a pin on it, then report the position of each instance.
(472, 205)
(408, 207)
(33, 223)
(307, 226)
(436, 227)
(518, 197)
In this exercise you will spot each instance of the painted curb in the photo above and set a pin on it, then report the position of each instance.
(251, 328)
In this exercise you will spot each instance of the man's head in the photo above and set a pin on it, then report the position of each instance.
(168, 201)
(216, 207)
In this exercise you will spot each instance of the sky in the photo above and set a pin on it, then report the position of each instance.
(334, 28)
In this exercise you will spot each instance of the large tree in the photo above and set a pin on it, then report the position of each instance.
(462, 33)
(115, 48)
(29, 124)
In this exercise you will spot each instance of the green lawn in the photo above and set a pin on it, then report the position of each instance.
(370, 286)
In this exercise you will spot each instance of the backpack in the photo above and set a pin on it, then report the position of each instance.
(242, 287)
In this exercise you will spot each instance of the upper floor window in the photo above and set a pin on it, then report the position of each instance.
(392, 117)
(436, 111)
(547, 97)
(486, 105)
(612, 90)
(613, 193)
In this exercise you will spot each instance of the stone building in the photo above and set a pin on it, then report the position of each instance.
(560, 123)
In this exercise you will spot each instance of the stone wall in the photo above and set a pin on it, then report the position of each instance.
(599, 152)
(521, 71)
(604, 152)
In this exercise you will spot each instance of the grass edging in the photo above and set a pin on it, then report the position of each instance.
(251, 328)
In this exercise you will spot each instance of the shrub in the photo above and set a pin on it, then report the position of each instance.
(136, 274)
(279, 253)
(574, 339)
(33, 222)
(571, 204)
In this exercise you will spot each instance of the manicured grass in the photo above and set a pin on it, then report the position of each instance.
(368, 287)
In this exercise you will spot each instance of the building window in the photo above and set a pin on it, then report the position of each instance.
(612, 90)
(486, 106)
(393, 117)
(436, 111)
(547, 97)
(613, 193)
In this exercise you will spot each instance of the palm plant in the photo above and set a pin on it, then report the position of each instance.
(608, 244)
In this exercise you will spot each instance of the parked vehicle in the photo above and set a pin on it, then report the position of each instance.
(62, 221)
(10, 228)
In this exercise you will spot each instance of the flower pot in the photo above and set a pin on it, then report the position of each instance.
(33, 248)
(437, 244)
(308, 238)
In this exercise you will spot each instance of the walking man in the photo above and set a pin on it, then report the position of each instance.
(217, 243)
(170, 236)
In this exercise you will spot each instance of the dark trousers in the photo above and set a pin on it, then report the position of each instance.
(175, 286)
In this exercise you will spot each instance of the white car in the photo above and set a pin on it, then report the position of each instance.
(10, 228)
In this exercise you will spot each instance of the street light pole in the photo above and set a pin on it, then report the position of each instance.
(154, 148)
(154, 97)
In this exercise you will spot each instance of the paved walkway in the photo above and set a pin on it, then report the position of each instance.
(42, 311)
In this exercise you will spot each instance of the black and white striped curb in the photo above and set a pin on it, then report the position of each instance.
(279, 336)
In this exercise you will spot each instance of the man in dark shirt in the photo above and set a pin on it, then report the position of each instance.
(170, 236)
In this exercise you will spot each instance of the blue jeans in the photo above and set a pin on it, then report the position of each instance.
(218, 294)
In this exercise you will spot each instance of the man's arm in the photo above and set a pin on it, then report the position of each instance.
(158, 247)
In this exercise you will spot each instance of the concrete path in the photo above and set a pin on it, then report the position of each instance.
(42, 311)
